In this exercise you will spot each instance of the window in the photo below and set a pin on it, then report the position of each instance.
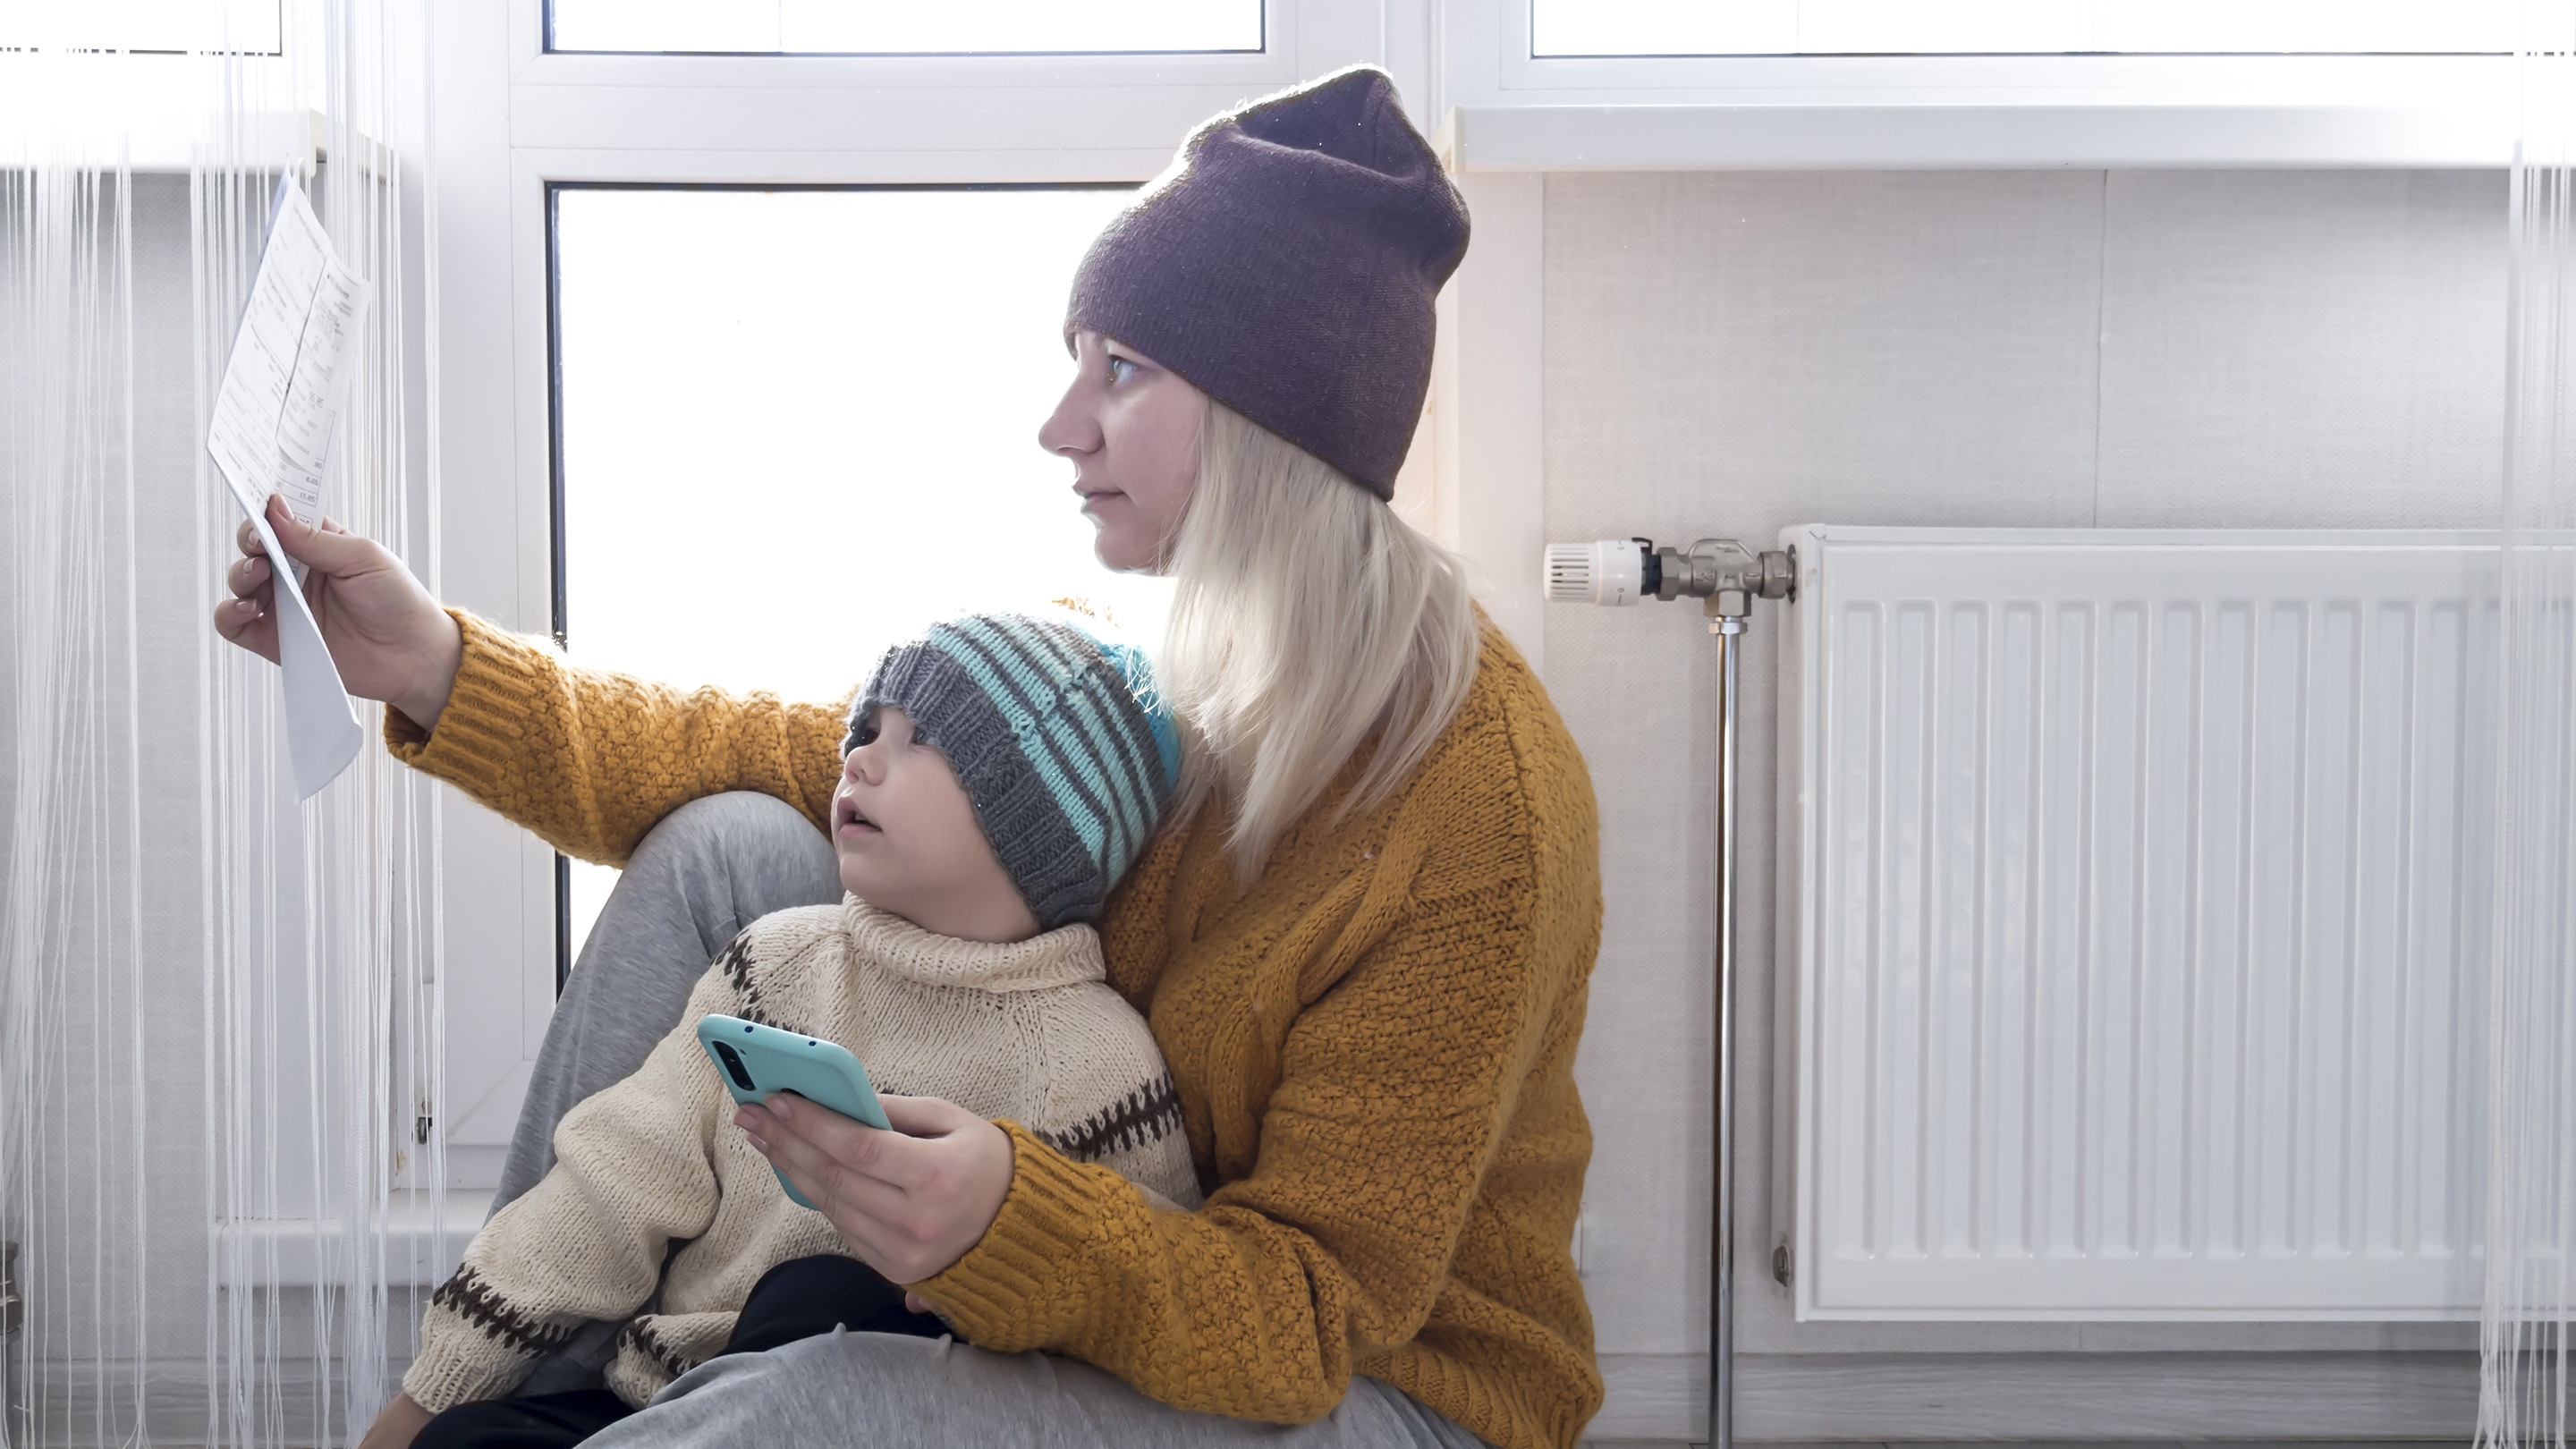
(838, 27)
(796, 426)
(1571, 28)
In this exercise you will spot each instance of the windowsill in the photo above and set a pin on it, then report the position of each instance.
(305, 1252)
(1796, 135)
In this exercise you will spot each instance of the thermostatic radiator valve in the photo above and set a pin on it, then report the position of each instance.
(1616, 572)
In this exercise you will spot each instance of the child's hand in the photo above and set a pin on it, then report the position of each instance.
(397, 1424)
(908, 1202)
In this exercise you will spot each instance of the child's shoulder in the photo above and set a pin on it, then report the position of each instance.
(780, 942)
(795, 927)
(768, 965)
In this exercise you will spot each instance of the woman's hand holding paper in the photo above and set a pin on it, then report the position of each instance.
(389, 637)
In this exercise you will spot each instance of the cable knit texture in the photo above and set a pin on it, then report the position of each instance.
(1027, 1030)
(1373, 1048)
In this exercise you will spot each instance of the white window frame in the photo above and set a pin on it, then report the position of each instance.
(1505, 110)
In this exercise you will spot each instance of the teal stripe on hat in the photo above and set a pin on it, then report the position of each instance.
(1134, 695)
(1126, 754)
(1128, 715)
(1147, 689)
(1146, 762)
(1098, 737)
(1007, 670)
(1085, 779)
(1015, 677)
(1107, 721)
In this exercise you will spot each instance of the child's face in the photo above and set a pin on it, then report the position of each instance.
(908, 841)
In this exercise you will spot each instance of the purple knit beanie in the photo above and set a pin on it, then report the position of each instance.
(1285, 264)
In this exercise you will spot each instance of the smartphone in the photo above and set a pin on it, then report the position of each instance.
(754, 1060)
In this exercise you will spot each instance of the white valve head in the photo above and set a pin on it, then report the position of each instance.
(1609, 571)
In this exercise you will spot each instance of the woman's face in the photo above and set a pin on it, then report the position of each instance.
(1132, 431)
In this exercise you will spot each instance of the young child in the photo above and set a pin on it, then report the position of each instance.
(1000, 774)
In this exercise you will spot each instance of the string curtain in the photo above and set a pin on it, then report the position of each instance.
(2530, 1292)
(219, 1013)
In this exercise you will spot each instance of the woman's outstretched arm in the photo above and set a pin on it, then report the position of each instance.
(586, 759)
(590, 760)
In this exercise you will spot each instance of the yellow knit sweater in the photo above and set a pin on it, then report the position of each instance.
(1374, 1049)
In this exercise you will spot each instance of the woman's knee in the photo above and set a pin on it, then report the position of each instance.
(727, 859)
(723, 827)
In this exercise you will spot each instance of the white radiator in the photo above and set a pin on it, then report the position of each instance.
(2138, 904)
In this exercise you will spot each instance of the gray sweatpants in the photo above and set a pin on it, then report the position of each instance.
(707, 870)
(878, 1391)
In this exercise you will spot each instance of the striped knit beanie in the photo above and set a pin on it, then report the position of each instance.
(1059, 738)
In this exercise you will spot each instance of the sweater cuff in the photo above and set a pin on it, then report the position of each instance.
(993, 1294)
(479, 731)
(458, 1365)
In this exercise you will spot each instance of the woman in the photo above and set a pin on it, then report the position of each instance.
(1362, 946)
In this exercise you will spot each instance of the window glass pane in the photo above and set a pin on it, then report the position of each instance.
(2007, 27)
(797, 426)
(230, 27)
(874, 27)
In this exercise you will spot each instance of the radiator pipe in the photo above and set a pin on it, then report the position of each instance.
(1745, 577)
(1729, 577)
(1727, 628)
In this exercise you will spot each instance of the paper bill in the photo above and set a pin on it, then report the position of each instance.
(271, 433)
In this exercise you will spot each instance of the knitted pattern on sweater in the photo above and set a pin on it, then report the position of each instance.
(1374, 1050)
(1026, 1030)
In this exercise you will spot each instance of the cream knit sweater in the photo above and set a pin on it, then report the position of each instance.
(1029, 1031)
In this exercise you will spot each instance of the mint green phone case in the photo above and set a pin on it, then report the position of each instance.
(754, 1060)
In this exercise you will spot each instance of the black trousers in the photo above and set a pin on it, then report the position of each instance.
(796, 1299)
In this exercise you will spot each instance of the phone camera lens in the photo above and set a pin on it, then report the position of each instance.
(733, 1067)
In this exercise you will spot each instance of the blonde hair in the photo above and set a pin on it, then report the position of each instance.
(1308, 622)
